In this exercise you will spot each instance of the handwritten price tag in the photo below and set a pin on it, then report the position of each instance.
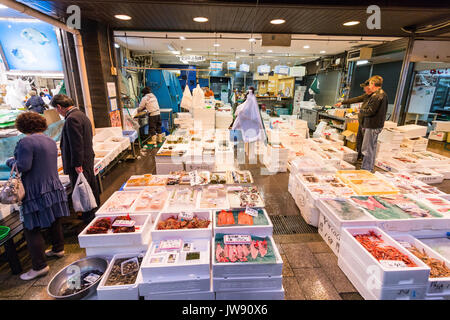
(186, 215)
(170, 244)
(124, 223)
(237, 239)
(393, 264)
(251, 212)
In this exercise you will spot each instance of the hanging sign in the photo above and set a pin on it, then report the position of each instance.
(191, 58)
(216, 65)
(244, 67)
(282, 70)
(264, 68)
(297, 71)
(232, 65)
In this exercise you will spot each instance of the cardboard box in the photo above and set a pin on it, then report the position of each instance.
(353, 126)
(351, 145)
(51, 116)
(349, 136)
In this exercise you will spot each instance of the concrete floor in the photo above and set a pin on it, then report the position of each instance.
(310, 270)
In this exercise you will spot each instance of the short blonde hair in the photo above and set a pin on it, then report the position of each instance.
(33, 93)
(376, 80)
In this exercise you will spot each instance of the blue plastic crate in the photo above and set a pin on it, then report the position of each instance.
(131, 134)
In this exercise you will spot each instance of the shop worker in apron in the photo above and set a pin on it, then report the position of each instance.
(364, 99)
(150, 103)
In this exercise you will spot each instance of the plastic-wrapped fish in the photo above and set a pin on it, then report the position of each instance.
(35, 36)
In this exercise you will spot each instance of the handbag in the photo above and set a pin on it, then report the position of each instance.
(13, 191)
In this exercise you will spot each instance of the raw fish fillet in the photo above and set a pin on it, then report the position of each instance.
(262, 246)
(230, 218)
(245, 250)
(244, 218)
(253, 250)
(219, 252)
(233, 253)
(240, 252)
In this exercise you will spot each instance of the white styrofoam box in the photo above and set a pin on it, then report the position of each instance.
(332, 151)
(429, 159)
(251, 295)
(119, 292)
(442, 126)
(351, 250)
(124, 207)
(200, 233)
(426, 175)
(413, 131)
(350, 155)
(189, 203)
(389, 135)
(112, 250)
(139, 237)
(206, 166)
(389, 164)
(255, 230)
(176, 284)
(166, 168)
(343, 165)
(241, 269)
(161, 275)
(277, 153)
(109, 131)
(249, 283)
(445, 171)
(124, 142)
(436, 286)
(390, 124)
(435, 202)
(370, 289)
(114, 147)
(201, 295)
(415, 144)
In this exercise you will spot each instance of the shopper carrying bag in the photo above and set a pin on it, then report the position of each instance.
(13, 191)
(82, 196)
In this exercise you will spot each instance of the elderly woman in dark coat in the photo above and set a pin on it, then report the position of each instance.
(45, 199)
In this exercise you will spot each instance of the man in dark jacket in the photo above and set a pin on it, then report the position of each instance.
(374, 113)
(364, 99)
(35, 103)
(76, 146)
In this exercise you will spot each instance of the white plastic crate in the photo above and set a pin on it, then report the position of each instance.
(200, 233)
(436, 286)
(119, 292)
(251, 295)
(241, 269)
(442, 126)
(112, 250)
(207, 294)
(255, 230)
(119, 202)
(186, 285)
(138, 238)
(249, 283)
(362, 260)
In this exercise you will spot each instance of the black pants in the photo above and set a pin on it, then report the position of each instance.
(36, 244)
(359, 140)
(88, 172)
(154, 125)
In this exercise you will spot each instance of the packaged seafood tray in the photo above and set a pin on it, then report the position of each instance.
(200, 178)
(213, 197)
(183, 225)
(347, 175)
(392, 265)
(426, 175)
(412, 131)
(220, 178)
(445, 171)
(251, 295)
(372, 290)
(119, 202)
(249, 283)
(389, 164)
(256, 256)
(182, 199)
(177, 266)
(242, 197)
(151, 200)
(137, 182)
(238, 222)
(405, 161)
(171, 154)
(336, 213)
(240, 177)
(408, 184)
(344, 165)
(334, 152)
(314, 178)
(310, 164)
(372, 187)
(437, 203)
(200, 165)
(428, 158)
(439, 242)
(324, 157)
(116, 230)
(401, 213)
(439, 281)
(122, 278)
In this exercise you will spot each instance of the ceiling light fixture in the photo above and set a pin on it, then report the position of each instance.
(188, 49)
(116, 45)
(122, 17)
(216, 45)
(323, 51)
(361, 62)
(306, 47)
(277, 21)
(182, 38)
(351, 23)
(200, 19)
(252, 40)
(243, 50)
(269, 51)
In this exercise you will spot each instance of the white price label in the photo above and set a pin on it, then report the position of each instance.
(235, 189)
(237, 239)
(171, 244)
(91, 278)
(186, 215)
(251, 212)
(405, 244)
(393, 264)
(124, 223)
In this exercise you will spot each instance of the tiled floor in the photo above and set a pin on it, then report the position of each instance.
(310, 269)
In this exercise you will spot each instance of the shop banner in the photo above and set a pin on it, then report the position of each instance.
(216, 65)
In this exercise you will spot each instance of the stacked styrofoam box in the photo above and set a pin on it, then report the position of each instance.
(246, 280)
(119, 292)
(115, 243)
(443, 126)
(276, 158)
(204, 118)
(389, 141)
(438, 288)
(184, 120)
(438, 135)
(350, 156)
(373, 280)
(413, 131)
(330, 225)
(426, 175)
(389, 124)
(224, 119)
(415, 144)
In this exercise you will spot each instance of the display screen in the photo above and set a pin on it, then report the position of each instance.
(30, 46)
(232, 65)
(244, 67)
(264, 68)
(282, 70)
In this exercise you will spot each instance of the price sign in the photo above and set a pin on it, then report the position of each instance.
(171, 244)
(186, 215)
(405, 244)
(237, 239)
(124, 223)
(235, 188)
(251, 212)
(392, 264)
(91, 278)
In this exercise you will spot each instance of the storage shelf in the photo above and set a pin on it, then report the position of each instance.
(331, 116)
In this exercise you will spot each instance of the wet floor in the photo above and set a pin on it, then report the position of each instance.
(310, 270)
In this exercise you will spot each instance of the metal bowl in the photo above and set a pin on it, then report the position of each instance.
(60, 280)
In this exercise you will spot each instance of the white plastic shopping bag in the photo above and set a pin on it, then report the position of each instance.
(82, 196)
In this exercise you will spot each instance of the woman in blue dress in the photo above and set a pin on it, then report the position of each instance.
(45, 199)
